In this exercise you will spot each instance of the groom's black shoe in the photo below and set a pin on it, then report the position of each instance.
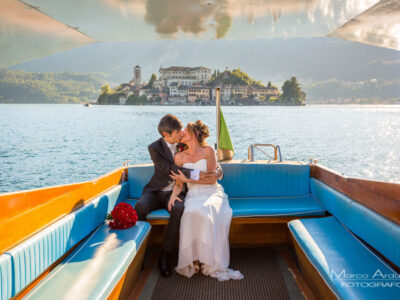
(165, 269)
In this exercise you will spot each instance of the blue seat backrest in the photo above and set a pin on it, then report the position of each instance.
(35, 255)
(265, 180)
(334, 202)
(138, 177)
(5, 277)
(380, 233)
(243, 180)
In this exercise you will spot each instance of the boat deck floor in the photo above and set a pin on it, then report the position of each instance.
(269, 273)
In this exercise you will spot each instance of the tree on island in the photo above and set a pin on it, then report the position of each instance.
(153, 78)
(292, 93)
(106, 89)
(136, 100)
(108, 96)
(214, 75)
(235, 77)
(157, 100)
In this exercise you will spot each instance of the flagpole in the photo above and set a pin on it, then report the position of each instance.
(218, 104)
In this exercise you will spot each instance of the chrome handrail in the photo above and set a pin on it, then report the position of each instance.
(277, 150)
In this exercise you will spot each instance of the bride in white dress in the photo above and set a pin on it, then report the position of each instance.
(204, 231)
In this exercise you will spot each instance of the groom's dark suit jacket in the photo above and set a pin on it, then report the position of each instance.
(163, 164)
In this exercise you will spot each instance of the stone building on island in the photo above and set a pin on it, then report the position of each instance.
(184, 75)
(185, 85)
(199, 93)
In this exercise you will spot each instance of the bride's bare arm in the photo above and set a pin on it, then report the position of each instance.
(211, 159)
(211, 169)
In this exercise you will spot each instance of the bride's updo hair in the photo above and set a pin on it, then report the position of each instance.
(199, 130)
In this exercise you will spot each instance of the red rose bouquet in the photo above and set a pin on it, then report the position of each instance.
(123, 216)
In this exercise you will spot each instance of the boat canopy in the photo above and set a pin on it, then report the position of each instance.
(32, 29)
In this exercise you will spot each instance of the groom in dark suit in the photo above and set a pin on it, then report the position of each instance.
(157, 192)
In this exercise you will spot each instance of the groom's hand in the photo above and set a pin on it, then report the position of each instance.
(210, 177)
(178, 177)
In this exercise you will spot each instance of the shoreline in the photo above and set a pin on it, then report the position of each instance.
(262, 105)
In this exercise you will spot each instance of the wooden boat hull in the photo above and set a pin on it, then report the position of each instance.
(28, 212)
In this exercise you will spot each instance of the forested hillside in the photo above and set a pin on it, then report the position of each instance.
(36, 87)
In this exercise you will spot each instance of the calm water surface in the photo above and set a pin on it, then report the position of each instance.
(43, 145)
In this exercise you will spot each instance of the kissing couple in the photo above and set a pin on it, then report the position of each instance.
(185, 183)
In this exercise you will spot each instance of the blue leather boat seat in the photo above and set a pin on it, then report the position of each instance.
(254, 190)
(260, 207)
(138, 177)
(379, 232)
(154, 215)
(33, 256)
(242, 180)
(339, 257)
(270, 190)
(6, 275)
(265, 180)
(276, 207)
(95, 267)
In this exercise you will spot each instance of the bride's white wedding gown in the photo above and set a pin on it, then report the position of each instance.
(204, 231)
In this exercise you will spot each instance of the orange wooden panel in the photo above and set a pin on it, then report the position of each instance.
(256, 235)
(382, 197)
(31, 210)
(12, 204)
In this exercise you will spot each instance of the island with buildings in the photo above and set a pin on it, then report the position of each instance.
(197, 86)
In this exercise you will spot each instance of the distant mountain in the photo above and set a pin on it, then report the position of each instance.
(38, 87)
(327, 68)
(371, 91)
(309, 59)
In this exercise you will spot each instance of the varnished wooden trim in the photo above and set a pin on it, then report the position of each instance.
(158, 221)
(265, 220)
(381, 197)
(294, 271)
(261, 220)
(258, 235)
(314, 280)
(33, 210)
(125, 285)
(248, 220)
(15, 203)
(244, 232)
(240, 235)
(143, 277)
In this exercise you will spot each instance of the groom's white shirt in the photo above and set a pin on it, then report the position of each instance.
(194, 174)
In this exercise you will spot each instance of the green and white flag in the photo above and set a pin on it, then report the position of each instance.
(225, 141)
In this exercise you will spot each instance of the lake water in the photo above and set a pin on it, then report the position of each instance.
(44, 145)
